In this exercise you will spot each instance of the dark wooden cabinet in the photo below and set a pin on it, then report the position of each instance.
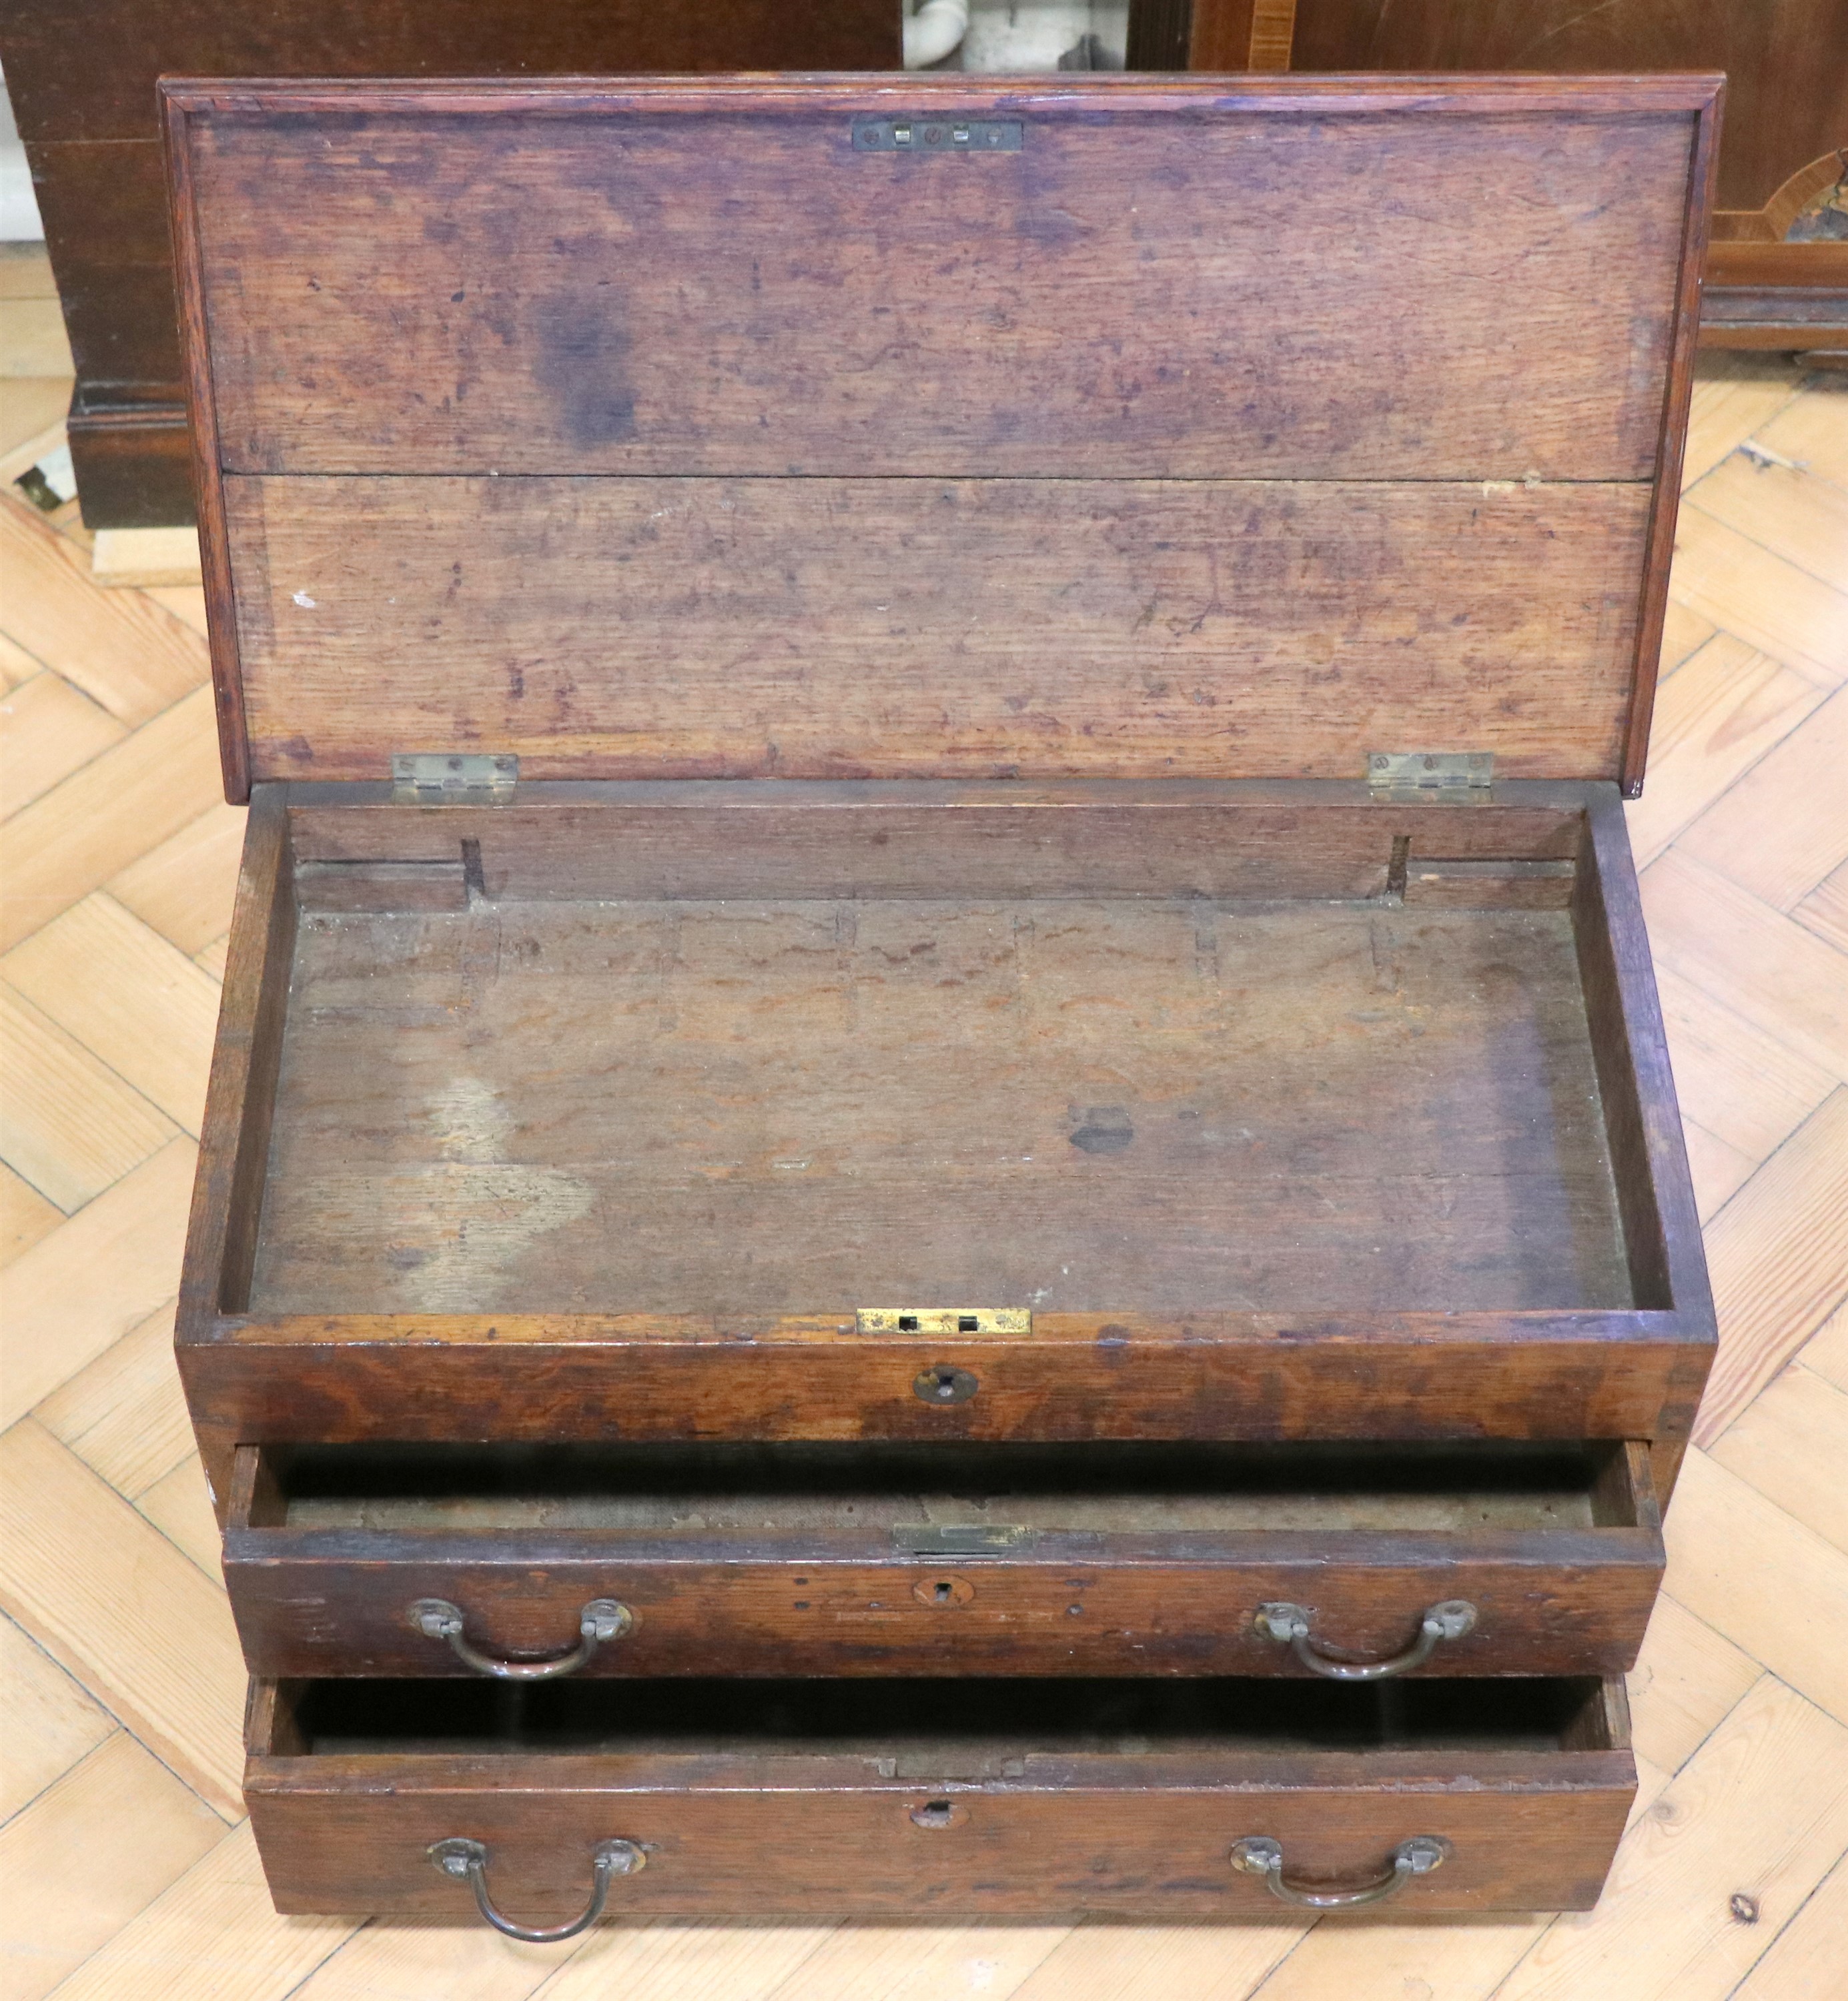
(1777, 268)
(940, 1107)
(81, 77)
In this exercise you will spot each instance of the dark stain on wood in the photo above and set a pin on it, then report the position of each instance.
(581, 354)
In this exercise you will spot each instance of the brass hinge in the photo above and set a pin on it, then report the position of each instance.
(944, 1319)
(453, 777)
(1422, 774)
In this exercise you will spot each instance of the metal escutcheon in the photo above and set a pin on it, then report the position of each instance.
(944, 1384)
(602, 1619)
(468, 1861)
(1290, 1624)
(1259, 1855)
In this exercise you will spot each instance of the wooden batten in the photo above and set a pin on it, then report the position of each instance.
(676, 430)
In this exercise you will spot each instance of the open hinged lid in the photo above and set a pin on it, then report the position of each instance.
(939, 427)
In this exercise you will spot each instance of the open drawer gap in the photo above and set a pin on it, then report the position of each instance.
(978, 1728)
(904, 1491)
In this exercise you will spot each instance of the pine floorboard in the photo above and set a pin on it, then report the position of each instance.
(134, 1878)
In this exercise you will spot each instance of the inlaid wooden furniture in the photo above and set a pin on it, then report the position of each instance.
(1210, 34)
(939, 1080)
(1777, 270)
(82, 77)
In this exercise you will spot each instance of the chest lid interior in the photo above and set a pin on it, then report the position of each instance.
(939, 427)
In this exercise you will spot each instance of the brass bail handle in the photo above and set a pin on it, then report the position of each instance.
(465, 1860)
(1290, 1624)
(602, 1619)
(1259, 1855)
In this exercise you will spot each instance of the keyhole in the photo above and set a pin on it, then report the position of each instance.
(943, 1591)
(937, 1813)
(943, 1383)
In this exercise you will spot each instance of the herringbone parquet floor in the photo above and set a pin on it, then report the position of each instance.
(129, 1873)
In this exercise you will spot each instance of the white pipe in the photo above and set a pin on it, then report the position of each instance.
(937, 28)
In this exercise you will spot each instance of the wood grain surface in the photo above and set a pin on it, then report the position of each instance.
(1131, 1559)
(342, 1337)
(1078, 1106)
(1244, 840)
(1153, 285)
(1401, 1376)
(945, 328)
(617, 628)
(1127, 1803)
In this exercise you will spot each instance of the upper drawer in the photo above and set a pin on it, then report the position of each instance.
(1004, 1799)
(1105, 1558)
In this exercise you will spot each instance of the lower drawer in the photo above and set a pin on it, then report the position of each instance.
(1348, 1560)
(1208, 1799)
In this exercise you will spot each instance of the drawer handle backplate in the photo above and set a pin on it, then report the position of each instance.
(1290, 1624)
(467, 1859)
(1257, 1855)
(602, 1619)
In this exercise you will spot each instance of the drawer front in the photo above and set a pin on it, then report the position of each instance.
(1076, 1376)
(1156, 1844)
(1219, 1561)
(897, 1796)
(1569, 1610)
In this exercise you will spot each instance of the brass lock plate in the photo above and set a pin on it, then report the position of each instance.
(933, 132)
(936, 1321)
(972, 1539)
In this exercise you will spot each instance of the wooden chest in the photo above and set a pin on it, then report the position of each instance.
(939, 1078)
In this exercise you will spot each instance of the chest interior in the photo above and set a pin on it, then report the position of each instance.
(1189, 1057)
